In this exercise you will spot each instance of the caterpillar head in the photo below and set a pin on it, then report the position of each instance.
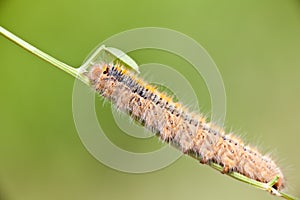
(280, 184)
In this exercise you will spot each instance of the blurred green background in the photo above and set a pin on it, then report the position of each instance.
(256, 45)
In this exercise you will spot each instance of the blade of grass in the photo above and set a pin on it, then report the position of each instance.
(35, 51)
(75, 73)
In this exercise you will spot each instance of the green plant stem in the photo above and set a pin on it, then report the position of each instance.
(263, 186)
(70, 70)
(75, 73)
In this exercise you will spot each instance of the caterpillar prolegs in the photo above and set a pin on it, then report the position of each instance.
(173, 123)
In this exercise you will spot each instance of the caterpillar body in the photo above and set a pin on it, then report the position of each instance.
(173, 123)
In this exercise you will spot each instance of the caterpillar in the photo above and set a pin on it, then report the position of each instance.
(173, 123)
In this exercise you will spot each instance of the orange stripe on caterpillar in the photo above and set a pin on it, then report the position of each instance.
(175, 124)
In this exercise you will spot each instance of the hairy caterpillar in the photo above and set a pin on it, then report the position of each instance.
(173, 123)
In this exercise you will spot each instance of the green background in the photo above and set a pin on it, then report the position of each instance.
(256, 45)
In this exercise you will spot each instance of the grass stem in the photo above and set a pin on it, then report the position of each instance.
(75, 73)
